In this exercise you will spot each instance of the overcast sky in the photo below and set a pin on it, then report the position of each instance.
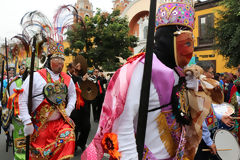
(11, 12)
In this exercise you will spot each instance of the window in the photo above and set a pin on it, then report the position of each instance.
(205, 24)
(145, 30)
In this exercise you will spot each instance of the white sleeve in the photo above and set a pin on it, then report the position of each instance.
(124, 125)
(72, 97)
(23, 103)
(12, 86)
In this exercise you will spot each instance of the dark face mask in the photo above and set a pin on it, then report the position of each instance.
(164, 44)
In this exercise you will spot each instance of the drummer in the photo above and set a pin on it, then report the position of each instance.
(210, 125)
(81, 114)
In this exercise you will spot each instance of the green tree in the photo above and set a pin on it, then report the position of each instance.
(102, 39)
(227, 32)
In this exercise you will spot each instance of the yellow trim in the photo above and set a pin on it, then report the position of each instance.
(145, 156)
(175, 48)
(173, 24)
(165, 134)
(16, 144)
(68, 156)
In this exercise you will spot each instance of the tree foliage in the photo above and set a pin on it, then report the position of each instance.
(227, 32)
(102, 39)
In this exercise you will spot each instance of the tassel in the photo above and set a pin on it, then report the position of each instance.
(165, 134)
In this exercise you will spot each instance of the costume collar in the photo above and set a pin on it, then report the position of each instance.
(52, 73)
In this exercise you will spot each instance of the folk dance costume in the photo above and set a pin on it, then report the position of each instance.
(175, 113)
(7, 114)
(18, 133)
(54, 98)
(235, 101)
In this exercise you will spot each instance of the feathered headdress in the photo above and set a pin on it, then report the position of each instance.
(37, 23)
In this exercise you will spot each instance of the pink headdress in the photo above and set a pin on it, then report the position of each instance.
(176, 12)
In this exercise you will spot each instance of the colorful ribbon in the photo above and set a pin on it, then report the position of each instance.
(14, 99)
(100, 88)
(80, 101)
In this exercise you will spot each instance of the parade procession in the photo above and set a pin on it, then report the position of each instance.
(120, 80)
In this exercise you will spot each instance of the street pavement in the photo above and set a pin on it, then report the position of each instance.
(9, 155)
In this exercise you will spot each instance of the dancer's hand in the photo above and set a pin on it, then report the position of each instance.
(192, 82)
(28, 129)
(213, 149)
(227, 120)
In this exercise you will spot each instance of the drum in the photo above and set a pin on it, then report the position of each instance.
(225, 140)
(224, 109)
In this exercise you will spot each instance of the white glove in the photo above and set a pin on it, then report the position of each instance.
(28, 129)
(192, 81)
(10, 129)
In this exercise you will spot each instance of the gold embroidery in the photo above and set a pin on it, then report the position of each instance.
(51, 146)
(146, 153)
(66, 157)
(20, 142)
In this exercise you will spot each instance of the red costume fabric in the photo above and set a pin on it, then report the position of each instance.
(52, 139)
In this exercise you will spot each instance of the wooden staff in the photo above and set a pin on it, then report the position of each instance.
(145, 90)
(1, 92)
(30, 91)
(7, 90)
(206, 150)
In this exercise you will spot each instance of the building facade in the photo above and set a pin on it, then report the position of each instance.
(205, 14)
(85, 8)
(120, 4)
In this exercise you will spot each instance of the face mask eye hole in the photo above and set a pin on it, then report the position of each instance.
(188, 44)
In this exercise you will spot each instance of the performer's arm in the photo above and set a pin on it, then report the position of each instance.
(12, 86)
(71, 98)
(206, 135)
(124, 125)
(38, 84)
(23, 103)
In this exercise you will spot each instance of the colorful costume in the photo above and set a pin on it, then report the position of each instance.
(6, 117)
(53, 137)
(54, 94)
(235, 101)
(18, 134)
(172, 106)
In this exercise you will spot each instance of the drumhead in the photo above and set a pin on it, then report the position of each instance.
(225, 140)
(224, 109)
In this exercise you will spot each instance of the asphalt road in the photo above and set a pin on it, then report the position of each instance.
(9, 155)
